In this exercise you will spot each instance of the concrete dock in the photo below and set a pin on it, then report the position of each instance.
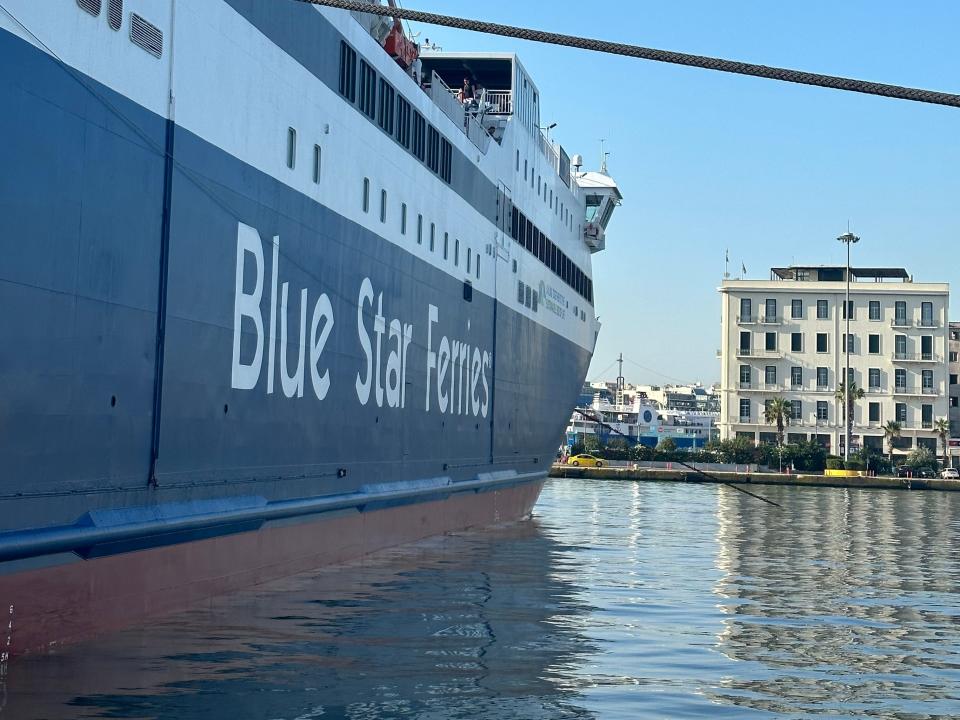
(627, 472)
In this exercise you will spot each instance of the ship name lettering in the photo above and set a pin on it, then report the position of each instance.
(393, 389)
(246, 375)
(460, 370)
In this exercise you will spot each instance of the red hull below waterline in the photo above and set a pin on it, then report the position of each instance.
(80, 599)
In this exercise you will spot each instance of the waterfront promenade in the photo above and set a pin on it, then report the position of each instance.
(615, 470)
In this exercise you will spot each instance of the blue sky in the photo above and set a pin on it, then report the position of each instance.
(709, 161)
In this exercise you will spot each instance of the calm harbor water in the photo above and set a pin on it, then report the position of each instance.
(617, 600)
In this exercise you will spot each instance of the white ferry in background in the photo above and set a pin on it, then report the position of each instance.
(273, 297)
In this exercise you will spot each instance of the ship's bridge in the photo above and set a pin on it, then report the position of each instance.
(602, 196)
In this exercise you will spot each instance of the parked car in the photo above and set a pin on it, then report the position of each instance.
(950, 474)
(910, 471)
(585, 460)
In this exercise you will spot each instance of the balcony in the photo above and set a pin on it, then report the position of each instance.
(916, 357)
(745, 386)
(901, 322)
(874, 389)
(744, 419)
(913, 390)
(926, 424)
(770, 319)
(746, 319)
(754, 353)
(928, 323)
(929, 391)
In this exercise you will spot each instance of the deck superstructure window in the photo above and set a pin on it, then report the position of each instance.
(383, 206)
(348, 72)
(368, 90)
(469, 260)
(91, 6)
(433, 236)
(433, 149)
(446, 245)
(419, 140)
(446, 154)
(456, 253)
(403, 122)
(146, 35)
(419, 229)
(291, 147)
(366, 194)
(385, 111)
(115, 14)
(403, 218)
(317, 159)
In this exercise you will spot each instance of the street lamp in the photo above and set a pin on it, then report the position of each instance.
(848, 238)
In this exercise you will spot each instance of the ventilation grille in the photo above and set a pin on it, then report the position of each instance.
(146, 35)
(115, 14)
(91, 6)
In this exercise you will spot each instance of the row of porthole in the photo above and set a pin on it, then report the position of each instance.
(558, 207)
(473, 266)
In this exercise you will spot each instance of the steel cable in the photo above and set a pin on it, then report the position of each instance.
(701, 61)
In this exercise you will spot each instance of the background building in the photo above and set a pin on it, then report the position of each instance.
(785, 337)
(953, 361)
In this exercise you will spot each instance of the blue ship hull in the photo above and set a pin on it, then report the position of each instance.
(152, 453)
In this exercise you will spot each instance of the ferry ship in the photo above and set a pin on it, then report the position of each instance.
(274, 294)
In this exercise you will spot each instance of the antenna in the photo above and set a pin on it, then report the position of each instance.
(602, 156)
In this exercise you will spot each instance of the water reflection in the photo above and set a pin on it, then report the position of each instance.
(620, 600)
(475, 625)
(847, 602)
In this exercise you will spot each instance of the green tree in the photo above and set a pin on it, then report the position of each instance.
(891, 431)
(667, 445)
(942, 428)
(921, 457)
(739, 450)
(856, 393)
(777, 412)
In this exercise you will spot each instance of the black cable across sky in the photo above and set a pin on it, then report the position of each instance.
(701, 61)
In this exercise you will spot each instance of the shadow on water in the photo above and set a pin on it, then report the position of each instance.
(620, 600)
(472, 625)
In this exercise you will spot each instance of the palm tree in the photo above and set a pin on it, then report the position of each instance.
(856, 393)
(891, 431)
(777, 411)
(942, 428)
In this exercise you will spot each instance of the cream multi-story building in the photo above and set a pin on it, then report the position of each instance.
(953, 361)
(785, 337)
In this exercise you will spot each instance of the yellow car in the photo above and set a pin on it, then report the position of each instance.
(585, 460)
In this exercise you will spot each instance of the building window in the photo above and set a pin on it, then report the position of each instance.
(873, 375)
(770, 375)
(822, 310)
(821, 342)
(796, 376)
(770, 310)
(953, 356)
(403, 218)
(796, 309)
(900, 313)
(823, 411)
(874, 410)
(848, 310)
(874, 309)
(796, 342)
(366, 194)
(419, 229)
(926, 347)
(927, 381)
(900, 378)
(873, 342)
(847, 341)
(291, 147)
(745, 375)
(744, 342)
(926, 416)
(900, 410)
(900, 346)
(744, 410)
(348, 72)
(953, 378)
(796, 410)
(926, 314)
(317, 157)
(822, 377)
(770, 341)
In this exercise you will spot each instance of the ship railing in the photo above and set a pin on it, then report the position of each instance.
(445, 98)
